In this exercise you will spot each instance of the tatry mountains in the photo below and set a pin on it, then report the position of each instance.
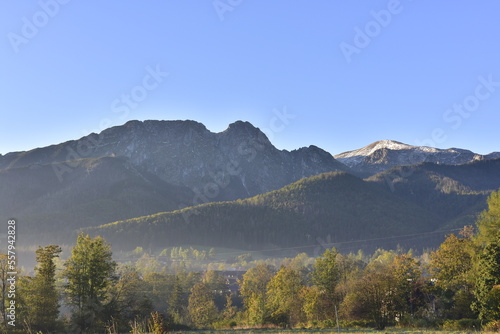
(160, 184)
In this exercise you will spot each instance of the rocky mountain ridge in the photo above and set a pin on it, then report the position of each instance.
(238, 162)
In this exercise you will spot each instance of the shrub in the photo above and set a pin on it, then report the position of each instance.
(462, 324)
(414, 322)
(492, 326)
(357, 324)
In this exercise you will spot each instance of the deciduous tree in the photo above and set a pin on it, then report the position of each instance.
(202, 309)
(128, 298)
(283, 293)
(383, 293)
(253, 288)
(89, 272)
(451, 267)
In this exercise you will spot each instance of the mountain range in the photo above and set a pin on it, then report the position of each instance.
(165, 183)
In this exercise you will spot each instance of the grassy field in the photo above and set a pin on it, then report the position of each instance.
(324, 331)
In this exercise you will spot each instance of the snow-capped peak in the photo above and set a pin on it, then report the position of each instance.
(385, 154)
(381, 144)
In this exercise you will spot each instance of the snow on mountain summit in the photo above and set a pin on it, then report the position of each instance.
(384, 154)
(381, 144)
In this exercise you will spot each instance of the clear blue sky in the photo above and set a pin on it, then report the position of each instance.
(65, 68)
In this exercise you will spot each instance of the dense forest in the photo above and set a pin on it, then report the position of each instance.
(456, 286)
(334, 205)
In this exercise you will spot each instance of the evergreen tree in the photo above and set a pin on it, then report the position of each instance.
(489, 222)
(24, 291)
(4, 269)
(326, 276)
(487, 290)
(487, 266)
(44, 298)
(175, 301)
